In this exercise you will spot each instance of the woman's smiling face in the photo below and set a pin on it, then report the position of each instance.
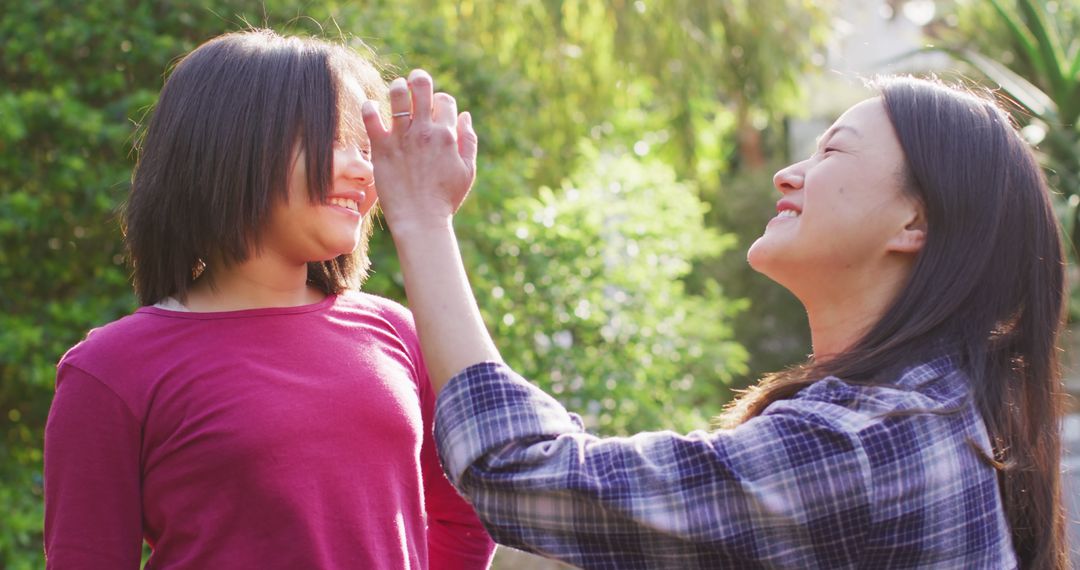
(843, 209)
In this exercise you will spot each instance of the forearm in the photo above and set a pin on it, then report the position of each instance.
(452, 333)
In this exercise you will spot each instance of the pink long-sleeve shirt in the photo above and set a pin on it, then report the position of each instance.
(269, 438)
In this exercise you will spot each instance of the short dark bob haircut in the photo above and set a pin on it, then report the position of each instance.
(218, 149)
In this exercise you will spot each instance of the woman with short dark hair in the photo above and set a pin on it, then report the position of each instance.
(258, 411)
(924, 432)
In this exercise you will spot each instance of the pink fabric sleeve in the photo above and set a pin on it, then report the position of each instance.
(92, 499)
(456, 538)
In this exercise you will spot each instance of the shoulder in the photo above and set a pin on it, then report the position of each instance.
(388, 309)
(389, 315)
(926, 405)
(110, 341)
(925, 414)
(935, 386)
(122, 356)
(913, 441)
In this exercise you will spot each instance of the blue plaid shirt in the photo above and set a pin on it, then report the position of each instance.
(827, 479)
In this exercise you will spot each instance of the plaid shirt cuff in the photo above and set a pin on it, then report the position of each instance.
(487, 406)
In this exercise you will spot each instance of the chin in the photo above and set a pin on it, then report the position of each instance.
(342, 252)
(343, 245)
(760, 256)
(329, 255)
(768, 259)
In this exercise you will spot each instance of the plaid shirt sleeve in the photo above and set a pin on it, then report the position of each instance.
(800, 486)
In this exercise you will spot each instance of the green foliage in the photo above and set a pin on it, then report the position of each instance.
(677, 75)
(605, 128)
(592, 272)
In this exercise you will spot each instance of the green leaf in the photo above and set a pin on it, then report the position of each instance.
(1019, 89)
(1021, 35)
(1049, 46)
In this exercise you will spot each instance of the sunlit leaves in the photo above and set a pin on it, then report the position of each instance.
(581, 286)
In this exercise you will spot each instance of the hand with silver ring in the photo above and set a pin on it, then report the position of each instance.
(425, 166)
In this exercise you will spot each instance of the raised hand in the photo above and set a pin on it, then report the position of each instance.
(425, 162)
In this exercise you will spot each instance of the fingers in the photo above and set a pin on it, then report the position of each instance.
(445, 111)
(373, 124)
(412, 104)
(420, 84)
(467, 141)
(400, 102)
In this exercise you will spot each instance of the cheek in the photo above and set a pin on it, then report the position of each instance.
(834, 211)
(371, 196)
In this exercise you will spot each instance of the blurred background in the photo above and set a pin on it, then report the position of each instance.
(627, 150)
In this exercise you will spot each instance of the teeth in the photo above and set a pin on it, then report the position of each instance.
(788, 214)
(345, 203)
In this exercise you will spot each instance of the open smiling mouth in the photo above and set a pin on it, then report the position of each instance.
(345, 203)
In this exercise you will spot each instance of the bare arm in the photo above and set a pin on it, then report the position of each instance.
(452, 333)
(424, 168)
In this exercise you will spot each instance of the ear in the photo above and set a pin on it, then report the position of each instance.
(912, 236)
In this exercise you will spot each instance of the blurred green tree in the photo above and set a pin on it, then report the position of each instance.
(607, 130)
(593, 270)
(704, 87)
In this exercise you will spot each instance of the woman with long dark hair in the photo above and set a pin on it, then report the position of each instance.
(258, 411)
(922, 433)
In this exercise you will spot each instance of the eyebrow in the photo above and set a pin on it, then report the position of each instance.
(835, 129)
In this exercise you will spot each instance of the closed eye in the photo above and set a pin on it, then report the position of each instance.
(342, 144)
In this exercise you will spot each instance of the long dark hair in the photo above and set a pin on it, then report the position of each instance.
(987, 286)
(218, 150)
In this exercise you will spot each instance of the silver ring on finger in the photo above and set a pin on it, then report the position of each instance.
(402, 114)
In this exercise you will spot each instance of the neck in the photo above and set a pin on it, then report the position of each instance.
(260, 282)
(840, 315)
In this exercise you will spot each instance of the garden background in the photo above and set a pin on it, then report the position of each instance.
(627, 149)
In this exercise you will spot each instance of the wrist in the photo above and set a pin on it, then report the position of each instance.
(419, 230)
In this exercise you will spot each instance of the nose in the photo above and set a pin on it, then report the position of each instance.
(352, 164)
(789, 179)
